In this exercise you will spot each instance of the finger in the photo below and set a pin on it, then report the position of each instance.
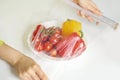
(27, 76)
(75, 1)
(23, 77)
(93, 8)
(93, 4)
(97, 23)
(33, 75)
(96, 11)
(78, 12)
(82, 14)
(89, 18)
(40, 73)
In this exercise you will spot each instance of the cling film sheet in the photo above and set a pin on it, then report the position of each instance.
(47, 41)
(52, 48)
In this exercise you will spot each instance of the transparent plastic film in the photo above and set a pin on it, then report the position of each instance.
(52, 49)
(71, 46)
(51, 43)
(113, 24)
(47, 42)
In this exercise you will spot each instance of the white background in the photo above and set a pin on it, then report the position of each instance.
(100, 61)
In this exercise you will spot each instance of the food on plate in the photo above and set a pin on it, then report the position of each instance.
(60, 42)
(44, 38)
(70, 26)
(70, 45)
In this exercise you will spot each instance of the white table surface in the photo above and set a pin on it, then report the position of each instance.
(100, 61)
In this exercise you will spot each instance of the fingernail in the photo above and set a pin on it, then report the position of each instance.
(97, 23)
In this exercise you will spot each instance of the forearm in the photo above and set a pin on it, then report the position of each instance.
(9, 54)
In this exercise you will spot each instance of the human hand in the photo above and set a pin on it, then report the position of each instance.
(88, 5)
(27, 69)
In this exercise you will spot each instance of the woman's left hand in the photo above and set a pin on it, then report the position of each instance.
(28, 69)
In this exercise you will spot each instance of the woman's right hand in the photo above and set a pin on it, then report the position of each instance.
(88, 5)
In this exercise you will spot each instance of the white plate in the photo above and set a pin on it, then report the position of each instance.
(42, 53)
